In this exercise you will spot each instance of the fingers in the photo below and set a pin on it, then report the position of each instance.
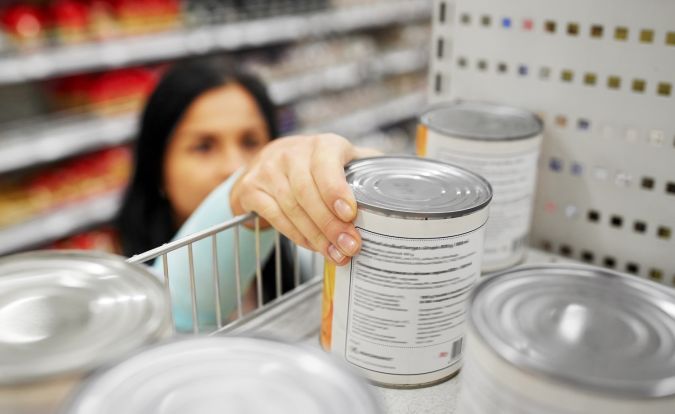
(329, 156)
(298, 185)
(343, 238)
(298, 216)
(267, 208)
(362, 152)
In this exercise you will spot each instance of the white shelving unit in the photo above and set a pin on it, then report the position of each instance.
(226, 37)
(600, 75)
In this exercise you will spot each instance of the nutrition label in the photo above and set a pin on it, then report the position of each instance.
(512, 177)
(407, 301)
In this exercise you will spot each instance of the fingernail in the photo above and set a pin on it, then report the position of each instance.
(343, 210)
(347, 243)
(335, 254)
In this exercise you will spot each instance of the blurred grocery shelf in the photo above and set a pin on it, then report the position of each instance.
(59, 223)
(54, 138)
(329, 73)
(348, 75)
(101, 209)
(359, 123)
(116, 53)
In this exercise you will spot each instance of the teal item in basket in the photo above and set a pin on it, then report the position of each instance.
(215, 209)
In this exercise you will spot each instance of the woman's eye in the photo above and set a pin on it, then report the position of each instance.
(250, 141)
(203, 145)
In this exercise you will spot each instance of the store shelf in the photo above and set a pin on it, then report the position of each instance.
(359, 123)
(60, 223)
(51, 140)
(294, 318)
(348, 75)
(69, 219)
(55, 139)
(232, 36)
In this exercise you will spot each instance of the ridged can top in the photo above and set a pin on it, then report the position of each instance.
(482, 121)
(66, 313)
(588, 327)
(224, 375)
(413, 187)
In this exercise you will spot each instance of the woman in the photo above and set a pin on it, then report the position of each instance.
(207, 150)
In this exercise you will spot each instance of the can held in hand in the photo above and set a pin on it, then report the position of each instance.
(569, 339)
(502, 144)
(63, 314)
(396, 311)
(225, 375)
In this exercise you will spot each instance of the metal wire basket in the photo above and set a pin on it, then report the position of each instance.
(234, 225)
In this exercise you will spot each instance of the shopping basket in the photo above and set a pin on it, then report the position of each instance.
(234, 225)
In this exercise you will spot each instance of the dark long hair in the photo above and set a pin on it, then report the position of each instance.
(145, 220)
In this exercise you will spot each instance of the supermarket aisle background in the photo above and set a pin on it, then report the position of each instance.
(74, 74)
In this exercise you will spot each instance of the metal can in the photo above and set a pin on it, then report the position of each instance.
(64, 314)
(569, 339)
(396, 311)
(225, 375)
(502, 144)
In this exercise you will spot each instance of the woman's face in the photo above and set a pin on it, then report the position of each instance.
(220, 132)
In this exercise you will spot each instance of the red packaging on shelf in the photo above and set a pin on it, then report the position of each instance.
(69, 20)
(25, 24)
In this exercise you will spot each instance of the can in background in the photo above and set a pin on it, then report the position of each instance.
(63, 314)
(396, 311)
(569, 339)
(502, 144)
(225, 375)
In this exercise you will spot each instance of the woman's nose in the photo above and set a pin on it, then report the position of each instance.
(231, 162)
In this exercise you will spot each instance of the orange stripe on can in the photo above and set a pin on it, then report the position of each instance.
(421, 140)
(327, 305)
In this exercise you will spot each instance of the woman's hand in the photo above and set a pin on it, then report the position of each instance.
(297, 184)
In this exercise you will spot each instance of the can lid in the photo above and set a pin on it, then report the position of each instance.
(224, 375)
(69, 312)
(588, 327)
(482, 121)
(416, 187)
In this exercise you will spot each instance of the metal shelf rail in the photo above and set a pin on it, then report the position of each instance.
(226, 37)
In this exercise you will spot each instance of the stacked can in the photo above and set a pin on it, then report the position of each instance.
(224, 375)
(63, 315)
(502, 144)
(569, 339)
(397, 310)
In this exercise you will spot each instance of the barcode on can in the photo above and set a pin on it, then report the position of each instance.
(456, 349)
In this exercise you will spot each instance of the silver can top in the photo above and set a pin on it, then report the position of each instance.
(482, 121)
(225, 375)
(66, 313)
(588, 327)
(413, 187)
